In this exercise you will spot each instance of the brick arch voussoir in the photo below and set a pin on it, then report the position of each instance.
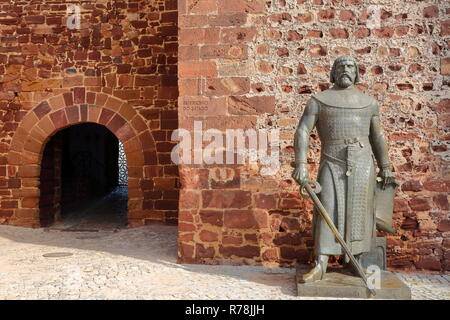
(70, 108)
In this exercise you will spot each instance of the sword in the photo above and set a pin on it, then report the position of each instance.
(306, 186)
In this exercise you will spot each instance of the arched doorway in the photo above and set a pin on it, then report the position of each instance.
(83, 180)
(146, 200)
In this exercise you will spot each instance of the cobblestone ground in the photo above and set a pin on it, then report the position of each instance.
(141, 264)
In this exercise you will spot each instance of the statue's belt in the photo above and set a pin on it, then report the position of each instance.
(349, 141)
(352, 144)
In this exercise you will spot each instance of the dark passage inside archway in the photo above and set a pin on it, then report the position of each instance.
(83, 180)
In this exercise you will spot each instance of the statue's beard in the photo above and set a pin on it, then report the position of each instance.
(344, 81)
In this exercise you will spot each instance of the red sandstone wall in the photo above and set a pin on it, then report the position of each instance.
(119, 69)
(255, 63)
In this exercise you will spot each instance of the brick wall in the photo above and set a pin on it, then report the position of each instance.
(119, 70)
(247, 64)
(255, 63)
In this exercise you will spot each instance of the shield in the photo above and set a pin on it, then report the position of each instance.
(384, 206)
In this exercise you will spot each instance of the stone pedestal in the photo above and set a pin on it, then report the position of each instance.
(342, 284)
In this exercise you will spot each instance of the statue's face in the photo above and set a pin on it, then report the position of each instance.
(345, 73)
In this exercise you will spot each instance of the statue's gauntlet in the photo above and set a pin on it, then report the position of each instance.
(301, 172)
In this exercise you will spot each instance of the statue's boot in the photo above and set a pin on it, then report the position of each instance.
(318, 271)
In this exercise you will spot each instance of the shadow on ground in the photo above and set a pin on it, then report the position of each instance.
(155, 243)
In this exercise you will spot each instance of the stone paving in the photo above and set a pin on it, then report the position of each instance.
(141, 264)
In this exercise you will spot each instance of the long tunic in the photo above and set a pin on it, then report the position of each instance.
(347, 177)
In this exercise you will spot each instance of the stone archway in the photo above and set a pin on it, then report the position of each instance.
(64, 110)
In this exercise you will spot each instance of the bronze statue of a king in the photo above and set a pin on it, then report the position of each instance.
(348, 124)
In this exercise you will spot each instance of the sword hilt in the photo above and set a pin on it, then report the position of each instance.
(317, 188)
